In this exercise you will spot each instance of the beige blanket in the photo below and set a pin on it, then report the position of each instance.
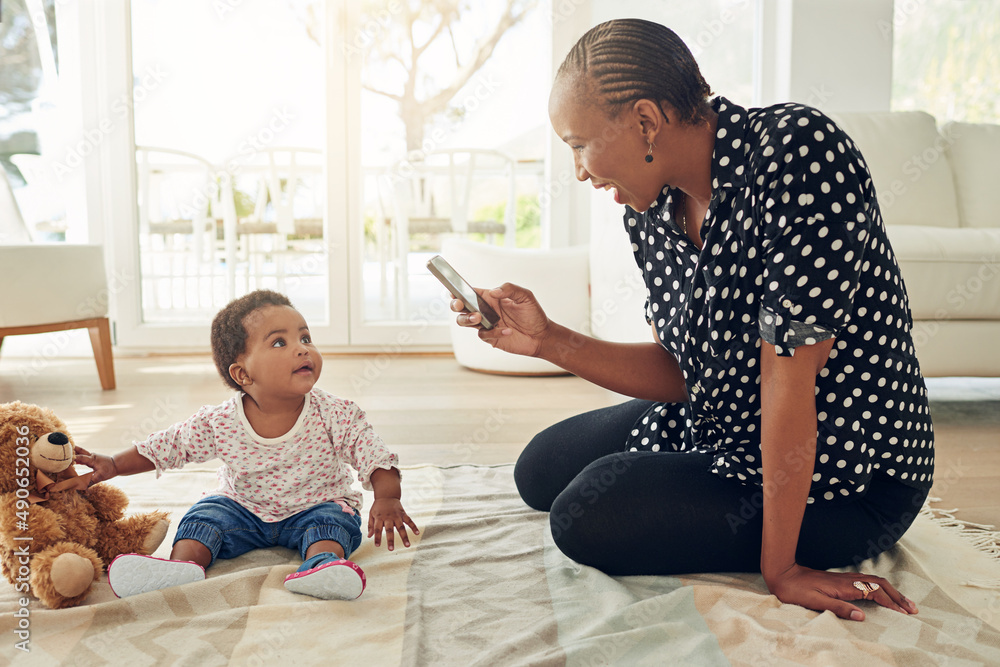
(484, 585)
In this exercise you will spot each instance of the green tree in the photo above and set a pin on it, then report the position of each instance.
(20, 67)
(527, 217)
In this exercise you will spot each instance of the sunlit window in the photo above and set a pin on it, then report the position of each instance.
(453, 134)
(720, 34)
(946, 59)
(229, 133)
(34, 162)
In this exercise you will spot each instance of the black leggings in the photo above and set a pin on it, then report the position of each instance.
(666, 513)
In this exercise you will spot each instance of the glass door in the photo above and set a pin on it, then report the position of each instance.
(447, 137)
(326, 148)
(233, 188)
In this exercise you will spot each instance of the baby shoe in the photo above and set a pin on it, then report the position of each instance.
(132, 574)
(328, 577)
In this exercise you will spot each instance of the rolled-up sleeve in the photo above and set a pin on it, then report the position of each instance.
(816, 226)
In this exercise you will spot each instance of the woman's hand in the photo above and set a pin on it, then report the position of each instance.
(522, 327)
(388, 514)
(103, 466)
(820, 591)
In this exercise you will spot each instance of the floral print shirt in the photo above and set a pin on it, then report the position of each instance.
(276, 478)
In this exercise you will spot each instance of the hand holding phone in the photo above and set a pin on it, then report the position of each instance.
(461, 289)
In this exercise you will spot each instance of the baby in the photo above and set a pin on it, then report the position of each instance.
(285, 448)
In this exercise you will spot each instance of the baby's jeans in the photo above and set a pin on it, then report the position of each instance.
(229, 530)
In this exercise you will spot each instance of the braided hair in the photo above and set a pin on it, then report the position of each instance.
(229, 333)
(627, 60)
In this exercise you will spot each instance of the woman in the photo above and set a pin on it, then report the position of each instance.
(781, 422)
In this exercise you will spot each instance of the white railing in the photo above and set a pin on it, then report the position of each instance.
(196, 252)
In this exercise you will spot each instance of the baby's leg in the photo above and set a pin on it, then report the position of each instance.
(193, 551)
(215, 527)
(325, 535)
(327, 576)
(132, 574)
(325, 546)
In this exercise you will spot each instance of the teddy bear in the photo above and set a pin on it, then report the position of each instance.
(56, 534)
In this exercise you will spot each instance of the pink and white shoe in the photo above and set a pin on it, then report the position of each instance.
(133, 574)
(332, 579)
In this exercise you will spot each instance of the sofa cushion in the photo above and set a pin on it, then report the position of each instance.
(906, 156)
(973, 149)
(950, 274)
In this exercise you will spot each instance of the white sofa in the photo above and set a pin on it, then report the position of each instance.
(940, 197)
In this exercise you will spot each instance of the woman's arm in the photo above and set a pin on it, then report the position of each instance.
(788, 447)
(639, 370)
(788, 455)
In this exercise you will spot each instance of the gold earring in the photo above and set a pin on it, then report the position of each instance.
(649, 153)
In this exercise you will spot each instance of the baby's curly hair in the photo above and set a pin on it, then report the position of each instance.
(229, 333)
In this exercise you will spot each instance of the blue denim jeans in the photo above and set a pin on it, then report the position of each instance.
(229, 530)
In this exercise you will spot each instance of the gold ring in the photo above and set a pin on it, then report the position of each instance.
(866, 587)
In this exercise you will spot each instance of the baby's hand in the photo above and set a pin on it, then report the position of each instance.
(387, 514)
(103, 466)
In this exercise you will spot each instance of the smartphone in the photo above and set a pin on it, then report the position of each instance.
(457, 285)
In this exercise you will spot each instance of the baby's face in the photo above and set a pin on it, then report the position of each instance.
(280, 356)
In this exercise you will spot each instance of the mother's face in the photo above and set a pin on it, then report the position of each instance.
(608, 151)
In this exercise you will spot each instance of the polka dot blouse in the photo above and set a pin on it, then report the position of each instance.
(276, 478)
(795, 252)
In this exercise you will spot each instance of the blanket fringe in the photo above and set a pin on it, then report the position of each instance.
(984, 537)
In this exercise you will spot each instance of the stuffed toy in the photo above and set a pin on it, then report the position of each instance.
(56, 534)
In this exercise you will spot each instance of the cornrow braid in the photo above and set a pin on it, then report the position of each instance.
(229, 333)
(632, 59)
